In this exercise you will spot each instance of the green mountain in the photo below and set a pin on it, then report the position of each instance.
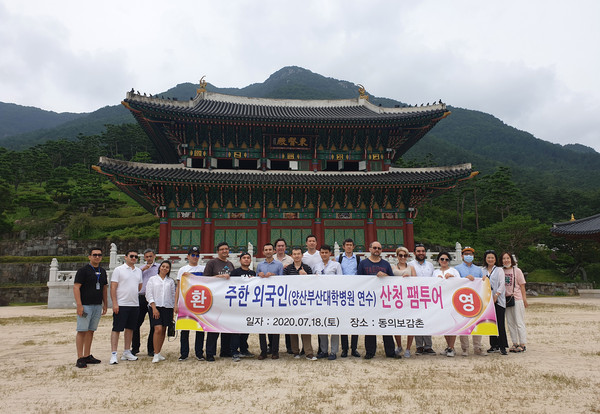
(17, 119)
(464, 136)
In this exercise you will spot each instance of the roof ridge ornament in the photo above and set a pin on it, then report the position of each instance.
(362, 92)
(202, 87)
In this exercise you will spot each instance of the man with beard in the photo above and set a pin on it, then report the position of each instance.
(423, 269)
(376, 266)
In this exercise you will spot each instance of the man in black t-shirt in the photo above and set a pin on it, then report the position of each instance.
(241, 340)
(90, 292)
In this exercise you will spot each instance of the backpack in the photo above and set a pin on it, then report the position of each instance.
(342, 255)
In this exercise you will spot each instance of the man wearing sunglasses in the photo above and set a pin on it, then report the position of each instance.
(125, 283)
(90, 292)
(376, 266)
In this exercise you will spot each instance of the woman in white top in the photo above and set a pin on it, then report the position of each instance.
(404, 270)
(496, 275)
(446, 272)
(160, 293)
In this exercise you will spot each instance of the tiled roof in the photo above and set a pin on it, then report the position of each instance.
(582, 227)
(177, 173)
(214, 105)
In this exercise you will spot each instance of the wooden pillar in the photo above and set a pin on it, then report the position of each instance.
(371, 234)
(164, 236)
(409, 235)
(263, 236)
(207, 235)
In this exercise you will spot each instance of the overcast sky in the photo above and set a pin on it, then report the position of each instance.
(534, 64)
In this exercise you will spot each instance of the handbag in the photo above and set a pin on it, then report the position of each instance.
(171, 329)
(510, 300)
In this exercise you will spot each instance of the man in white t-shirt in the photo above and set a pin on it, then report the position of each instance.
(328, 267)
(423, 269)
(311, 256)
(125, 283)
(192, 268)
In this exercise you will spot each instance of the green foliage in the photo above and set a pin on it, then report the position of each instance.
(513, 234)
(47, 259)
(546, 276)
(34, 201)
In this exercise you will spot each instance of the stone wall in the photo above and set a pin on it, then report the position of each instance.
(57, 246)
(16, 273)
(29, 294)
(553, 289)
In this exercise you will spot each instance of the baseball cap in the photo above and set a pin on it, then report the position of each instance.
(194, 249)
(468, 249)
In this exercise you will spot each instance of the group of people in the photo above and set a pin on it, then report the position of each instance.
(139, 290)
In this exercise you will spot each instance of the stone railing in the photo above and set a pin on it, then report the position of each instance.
(60, 282)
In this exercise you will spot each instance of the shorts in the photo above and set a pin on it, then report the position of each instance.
(90, 322)
(126, 318)
(165, 318)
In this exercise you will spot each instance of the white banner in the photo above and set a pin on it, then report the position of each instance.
(332, 304)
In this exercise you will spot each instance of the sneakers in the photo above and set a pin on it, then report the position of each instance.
(450, 352)
(493, 350)
(480, 352)
(199, 358)
(247, 354)
(398, 351)
(407, 353)
(321, 355)
(503, 351)
(81, 363)
(331, 357)
(128, 356)
(465, 353)
(297, 356)
(113, 359)
(428, 351)
(311, 357)
(210, 358)
(355, 353)
(183, 358)
(91, 360)
(236, 358)
(420, 350)
(156, 358)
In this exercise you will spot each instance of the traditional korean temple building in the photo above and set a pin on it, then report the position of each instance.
(252, 170)
(587, 228)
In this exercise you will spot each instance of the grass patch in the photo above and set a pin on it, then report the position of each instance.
(547, 276)
(28, 304)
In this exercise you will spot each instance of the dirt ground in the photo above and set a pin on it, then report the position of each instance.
(560, 372)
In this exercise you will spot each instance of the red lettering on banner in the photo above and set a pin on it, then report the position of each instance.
(198, 299)
(467, 302)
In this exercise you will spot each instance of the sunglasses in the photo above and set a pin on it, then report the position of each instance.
(402, 255)
(443, 259)
(96, 254)
(133, 256)
(376, 248)
(194, 255)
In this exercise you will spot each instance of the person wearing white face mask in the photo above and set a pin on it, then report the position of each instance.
(470, 271)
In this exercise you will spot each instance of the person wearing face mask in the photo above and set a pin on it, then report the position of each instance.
(470, 271)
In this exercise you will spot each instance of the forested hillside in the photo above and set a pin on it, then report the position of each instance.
(525, 184)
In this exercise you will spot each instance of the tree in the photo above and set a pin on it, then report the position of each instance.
(513, 234)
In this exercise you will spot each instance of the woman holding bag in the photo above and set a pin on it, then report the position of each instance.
(496, 275)
(516, 302)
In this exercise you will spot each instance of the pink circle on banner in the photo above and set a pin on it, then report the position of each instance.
(198, 299)
(467, 302)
